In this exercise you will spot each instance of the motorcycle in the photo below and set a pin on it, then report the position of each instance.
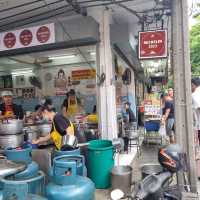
(156, 187)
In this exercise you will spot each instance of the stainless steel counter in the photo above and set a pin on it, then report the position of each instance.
(43, 158)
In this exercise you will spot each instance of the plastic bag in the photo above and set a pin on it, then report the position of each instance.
(162, 131)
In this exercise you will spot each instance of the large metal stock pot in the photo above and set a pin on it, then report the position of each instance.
(44, 129)
(11, 141)
(11, 127)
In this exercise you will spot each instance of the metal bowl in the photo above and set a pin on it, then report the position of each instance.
(69, 141)
(11, 127)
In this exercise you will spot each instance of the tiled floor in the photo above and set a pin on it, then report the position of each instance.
(102, 195)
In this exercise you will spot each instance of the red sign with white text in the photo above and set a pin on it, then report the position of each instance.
(9, 40)
(28, 37)
(153, 44)
(43, 34)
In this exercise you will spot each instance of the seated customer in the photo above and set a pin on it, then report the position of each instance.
(8, 109)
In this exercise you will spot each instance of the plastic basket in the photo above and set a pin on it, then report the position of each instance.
(152, 125)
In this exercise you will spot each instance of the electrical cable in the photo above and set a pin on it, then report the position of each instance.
(31, 10)
(45, 18)
(34, 16)
(106, 4)
(19, 6)
(52, 11)
(43, 13)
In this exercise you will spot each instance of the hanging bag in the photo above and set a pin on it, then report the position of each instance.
(162, 131)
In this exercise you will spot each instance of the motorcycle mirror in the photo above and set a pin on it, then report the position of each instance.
(116, 194)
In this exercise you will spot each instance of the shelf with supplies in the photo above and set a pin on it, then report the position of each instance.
(152, 111)
(26, 93)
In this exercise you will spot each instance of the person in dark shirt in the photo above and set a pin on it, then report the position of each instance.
(130, 113)
(8, 109)
(61, 126)
(129, 123)
(168, 116)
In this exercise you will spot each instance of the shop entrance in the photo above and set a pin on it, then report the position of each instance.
(53, 74)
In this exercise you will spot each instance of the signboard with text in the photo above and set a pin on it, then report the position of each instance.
(27, 37)
(83, 74)
(153, 44)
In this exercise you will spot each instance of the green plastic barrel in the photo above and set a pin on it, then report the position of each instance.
(100, 162)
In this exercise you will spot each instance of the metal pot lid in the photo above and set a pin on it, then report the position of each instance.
(8, 167)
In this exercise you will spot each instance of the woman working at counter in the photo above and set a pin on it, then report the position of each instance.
(61, 126)
(44, 112)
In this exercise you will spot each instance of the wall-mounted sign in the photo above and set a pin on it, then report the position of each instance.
(27, 37)
(153, 44)
(61, 83)
(83, 74)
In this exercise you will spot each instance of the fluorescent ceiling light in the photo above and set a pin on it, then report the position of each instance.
(18, 73)
(92, 53)
(61, 57)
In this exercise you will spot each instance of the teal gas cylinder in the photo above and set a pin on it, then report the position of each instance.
(36, 185)
(21, 154)
(81, 168)
(31, 174)
(17, 191)
(67, 184)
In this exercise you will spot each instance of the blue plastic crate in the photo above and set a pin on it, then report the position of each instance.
(152, 125)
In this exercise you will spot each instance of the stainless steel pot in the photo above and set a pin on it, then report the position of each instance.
(31, 134)
(44, 129)
(11, 141)
(70, 141)
(121, 178)
(151, 168)
(11, 127)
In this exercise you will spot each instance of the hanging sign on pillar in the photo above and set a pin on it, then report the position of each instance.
(27, 37)
(153, 44)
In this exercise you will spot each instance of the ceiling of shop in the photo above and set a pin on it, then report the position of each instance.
(16, 13)
(74, 56)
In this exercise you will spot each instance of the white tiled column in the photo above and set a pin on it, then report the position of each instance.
(106, 91)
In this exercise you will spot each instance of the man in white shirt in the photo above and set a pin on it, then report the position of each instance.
(196, 103)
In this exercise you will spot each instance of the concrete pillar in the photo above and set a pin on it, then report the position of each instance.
(106, 91)
(182, 85)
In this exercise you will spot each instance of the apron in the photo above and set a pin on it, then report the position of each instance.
(57, 137)
(8, 111)
(72, 106)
